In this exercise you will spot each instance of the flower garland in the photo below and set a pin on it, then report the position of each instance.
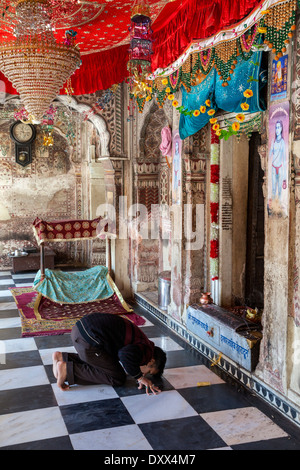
(248, 127)
(23, 116)
(205, 108)
(234, 127)
(214, 206)
(278, 26)
(52, 115)
(281, 19)
(48, 126)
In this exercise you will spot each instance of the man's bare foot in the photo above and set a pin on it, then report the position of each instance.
(56, 357)
(62, 375)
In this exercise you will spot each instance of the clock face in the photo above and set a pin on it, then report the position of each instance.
(22, 132)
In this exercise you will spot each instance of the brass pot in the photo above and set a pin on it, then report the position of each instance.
(205, 298)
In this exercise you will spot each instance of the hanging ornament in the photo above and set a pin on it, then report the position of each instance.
(69, 90)
(278, 25)
(131, 111)
(70, 36)
(48, 138)
(139, 65)
(106, 97)
(48, 125)
(23, 116)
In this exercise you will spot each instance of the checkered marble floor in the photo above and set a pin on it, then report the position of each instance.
(35, 414)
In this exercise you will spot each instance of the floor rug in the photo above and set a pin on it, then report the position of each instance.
(43, 317)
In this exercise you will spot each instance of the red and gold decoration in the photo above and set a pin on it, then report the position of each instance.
(104, 37)
(65, 231)
(65, 14)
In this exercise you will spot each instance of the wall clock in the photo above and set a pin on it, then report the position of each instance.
(23, 135)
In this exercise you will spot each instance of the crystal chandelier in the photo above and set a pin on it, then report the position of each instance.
(34, 62)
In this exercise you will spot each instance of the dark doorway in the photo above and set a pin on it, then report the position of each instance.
(254, 283)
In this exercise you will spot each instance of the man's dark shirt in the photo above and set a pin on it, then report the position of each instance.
(120, 338)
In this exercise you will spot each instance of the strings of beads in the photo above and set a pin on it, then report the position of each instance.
(280, 24)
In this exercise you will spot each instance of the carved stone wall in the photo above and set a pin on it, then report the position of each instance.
(151, 188)
(195, 161)
(112, 113)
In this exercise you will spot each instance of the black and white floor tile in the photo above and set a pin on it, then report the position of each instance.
(36, 415)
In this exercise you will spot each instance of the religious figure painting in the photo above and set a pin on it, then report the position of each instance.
(279, 78)
(176, 168)
(278, 162)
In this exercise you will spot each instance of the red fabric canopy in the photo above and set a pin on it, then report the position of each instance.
(101, 70)
(174, 28)
(194, 19)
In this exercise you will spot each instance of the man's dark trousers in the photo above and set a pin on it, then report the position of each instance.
(91, 365)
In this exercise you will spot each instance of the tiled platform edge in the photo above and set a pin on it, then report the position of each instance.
(243, 377)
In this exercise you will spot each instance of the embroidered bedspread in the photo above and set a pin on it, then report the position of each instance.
(75, 287)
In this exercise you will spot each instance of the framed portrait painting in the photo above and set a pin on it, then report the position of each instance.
(279, 78)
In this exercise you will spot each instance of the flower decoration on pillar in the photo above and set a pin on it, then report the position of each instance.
(214, 205)
(48, 125)
(139, 65)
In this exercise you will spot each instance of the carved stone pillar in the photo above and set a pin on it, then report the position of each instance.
(146, 248)
(189, 266)
(113, 180)
(113, 175)
(194, 262)
(148, 194)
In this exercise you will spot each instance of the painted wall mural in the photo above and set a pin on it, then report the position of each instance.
(47, 186)
(278, 164)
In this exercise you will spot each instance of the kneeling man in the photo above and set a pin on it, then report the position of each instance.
(109, 347)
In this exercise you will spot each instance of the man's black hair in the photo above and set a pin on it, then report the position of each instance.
(160, 358)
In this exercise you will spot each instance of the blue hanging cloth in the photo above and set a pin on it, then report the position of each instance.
(193, 100)
(227, 98)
